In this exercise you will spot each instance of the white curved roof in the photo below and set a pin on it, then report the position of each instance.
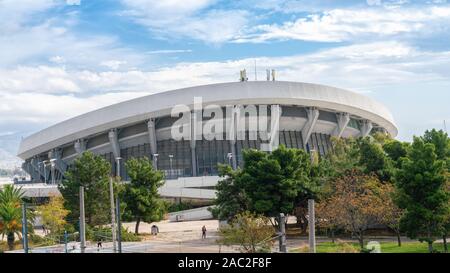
(257, 92)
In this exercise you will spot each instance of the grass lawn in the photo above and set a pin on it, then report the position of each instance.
(386, 247)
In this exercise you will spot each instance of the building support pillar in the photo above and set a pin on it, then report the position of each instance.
(366, 128)
(59, 164)
(35, 171)
(151, 128)
(313, 116)
(114, 141)
(232, 135)
(80, 146)
(193, 143)
(342, 121)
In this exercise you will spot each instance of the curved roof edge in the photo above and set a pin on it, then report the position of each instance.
(256, 92)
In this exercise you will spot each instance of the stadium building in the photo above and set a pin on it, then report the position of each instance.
(307, 115)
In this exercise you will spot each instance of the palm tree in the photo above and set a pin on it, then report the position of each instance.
(10, 213)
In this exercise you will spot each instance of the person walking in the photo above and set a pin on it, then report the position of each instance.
(99, 244)
(203, 232)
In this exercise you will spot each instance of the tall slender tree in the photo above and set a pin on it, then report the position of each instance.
(92, 172)
(140, 196)
(421, 183)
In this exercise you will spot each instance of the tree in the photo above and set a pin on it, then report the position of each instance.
(230, 197)
(374, 160)
(395, 150)
(53, 214)
(421, 184)
(11, 214)
(93, 173)
(252, 232)
(441, 142)
(141, 198)
(272, 181)
(355, 204)
(391, 214)
(344, 157)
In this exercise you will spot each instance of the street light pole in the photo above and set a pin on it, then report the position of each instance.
(113, 215)
(155, 161)
(119, 226)
(118, 165)
(230, 156)
(24, 228)
(82, 222)
(311, 224)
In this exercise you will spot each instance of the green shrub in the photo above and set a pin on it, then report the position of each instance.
(174, 207)
(105, 234)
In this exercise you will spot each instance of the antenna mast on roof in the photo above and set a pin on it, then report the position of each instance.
(243, 76)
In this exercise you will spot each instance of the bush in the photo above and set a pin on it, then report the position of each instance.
(105, 234)
(174, 207)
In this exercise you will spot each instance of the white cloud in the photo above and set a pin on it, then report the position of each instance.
(187, 19)
(169, 51)
(112, 64)
(14, 13)
(339, 25)
(372, 64)
(57, 60)
(73, 2)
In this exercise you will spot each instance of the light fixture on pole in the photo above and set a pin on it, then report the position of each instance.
(118, 166)
(230, 156)
(155, 161)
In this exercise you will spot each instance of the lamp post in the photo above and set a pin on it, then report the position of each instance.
(52, 165)
(118, 165)
(155, 161)
(171, 169)
(230, 156)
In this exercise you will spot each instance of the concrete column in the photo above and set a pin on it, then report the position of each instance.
(275, 115)
(152, 136)
(60, 165)
(366, 128)
(114, 141)
(193, 143)
(151, 127)
(80, 146)
(313, 116)
(232, 127)
(35, 171)
(342, 121)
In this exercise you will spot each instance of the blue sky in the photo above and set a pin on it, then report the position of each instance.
(61, 58)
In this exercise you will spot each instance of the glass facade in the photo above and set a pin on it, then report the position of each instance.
(174, 157)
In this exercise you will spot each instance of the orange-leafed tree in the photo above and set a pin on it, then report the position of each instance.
(355, 204)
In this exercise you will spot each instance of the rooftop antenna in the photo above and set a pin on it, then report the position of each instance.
(243, 76)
